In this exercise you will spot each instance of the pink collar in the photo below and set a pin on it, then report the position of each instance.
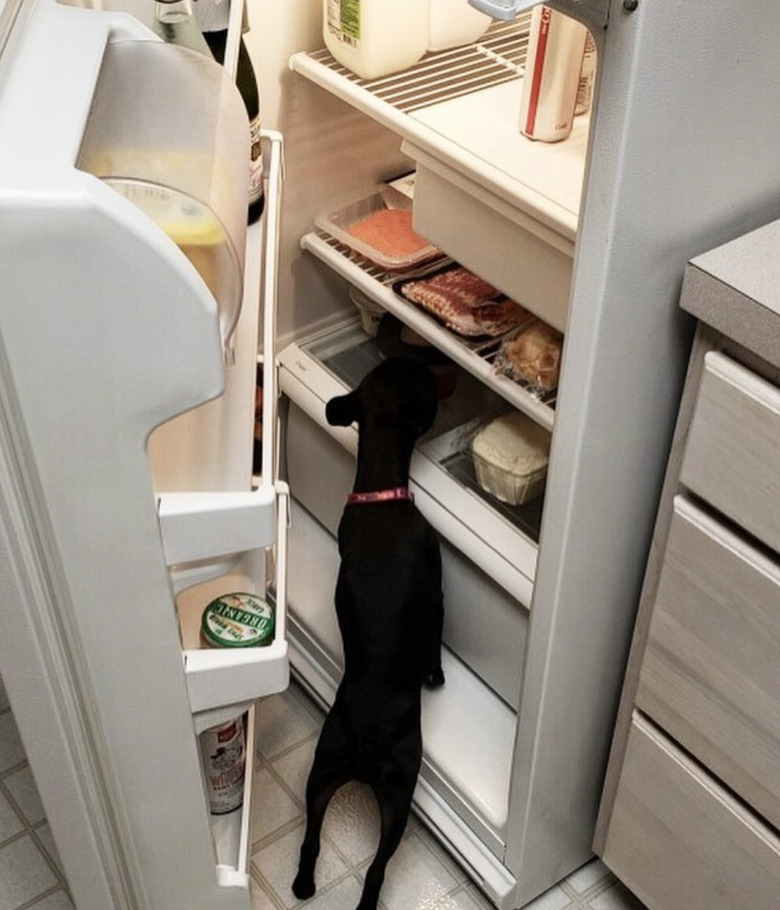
(382, 495)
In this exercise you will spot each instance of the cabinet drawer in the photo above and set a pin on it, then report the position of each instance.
(711, 669)
(679, 841)
(732, 455)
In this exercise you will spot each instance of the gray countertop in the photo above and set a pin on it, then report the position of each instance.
(735, 288)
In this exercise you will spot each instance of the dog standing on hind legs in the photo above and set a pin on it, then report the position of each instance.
(390, 613)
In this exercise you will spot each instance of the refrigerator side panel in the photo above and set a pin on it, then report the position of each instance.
(683, 158)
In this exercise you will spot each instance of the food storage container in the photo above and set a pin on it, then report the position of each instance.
(237, 621)
(377, 223)
(510, 456)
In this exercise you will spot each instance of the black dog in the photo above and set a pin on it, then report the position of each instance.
(390, 613)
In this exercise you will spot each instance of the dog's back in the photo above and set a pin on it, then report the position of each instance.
(390, 613)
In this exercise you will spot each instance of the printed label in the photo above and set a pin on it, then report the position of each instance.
(344, 20)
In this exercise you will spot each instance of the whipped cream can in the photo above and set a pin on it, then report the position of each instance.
(552, 72)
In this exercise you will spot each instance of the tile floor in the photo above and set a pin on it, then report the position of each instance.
(420, 875)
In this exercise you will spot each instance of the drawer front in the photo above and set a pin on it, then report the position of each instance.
(517, 259)
(679, 841)
(711, 669)
(732, 457)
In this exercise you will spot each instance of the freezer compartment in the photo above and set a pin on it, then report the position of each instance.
(466, 766)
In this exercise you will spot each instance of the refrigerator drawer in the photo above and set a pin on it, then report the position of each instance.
(677, 839)
(527, 261)
(484, 626)
(710, 671)
(731, 455)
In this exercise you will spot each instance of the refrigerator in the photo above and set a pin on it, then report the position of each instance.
(677, 155)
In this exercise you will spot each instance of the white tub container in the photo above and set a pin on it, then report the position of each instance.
(455, 22)
(376, 37)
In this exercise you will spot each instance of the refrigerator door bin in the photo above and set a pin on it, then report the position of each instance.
(232, 832)
(182, 164)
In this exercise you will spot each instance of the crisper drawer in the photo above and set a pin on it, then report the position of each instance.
(680, 841)
(484, 626)
(711, 669)
(731, 459)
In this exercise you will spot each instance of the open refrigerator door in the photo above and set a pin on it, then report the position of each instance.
(120, 312)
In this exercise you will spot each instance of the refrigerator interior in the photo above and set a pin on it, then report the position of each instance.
(490, 549)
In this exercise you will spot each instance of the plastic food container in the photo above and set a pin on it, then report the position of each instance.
(237, 621)
(510, 456)
(377, 224)
(455, 22)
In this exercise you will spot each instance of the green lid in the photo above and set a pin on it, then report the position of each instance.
(238, 621)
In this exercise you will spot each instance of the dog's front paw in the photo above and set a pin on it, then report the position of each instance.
(303, 886)
(434, 679)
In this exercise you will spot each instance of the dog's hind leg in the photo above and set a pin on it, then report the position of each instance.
(394, 806)
(322, 784)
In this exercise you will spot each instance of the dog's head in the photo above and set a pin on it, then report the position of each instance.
(398, 393)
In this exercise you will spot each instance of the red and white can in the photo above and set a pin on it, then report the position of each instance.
(552, 71)
(223, 752)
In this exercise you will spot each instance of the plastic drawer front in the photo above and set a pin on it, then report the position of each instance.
(731, 458)
(711, 671)
(680, 841)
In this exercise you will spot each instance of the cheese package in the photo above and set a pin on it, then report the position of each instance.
(510, 456)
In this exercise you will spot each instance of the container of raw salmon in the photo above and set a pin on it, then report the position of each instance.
(377, 224)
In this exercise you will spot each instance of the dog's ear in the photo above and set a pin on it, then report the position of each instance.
(343, 410)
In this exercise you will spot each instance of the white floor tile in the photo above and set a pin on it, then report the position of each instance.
(24, 792)
(46, 840)
(277, 863)
(554, 899)
(617, 897)
(342, 896)
(283, 721)
(10, 823)
(11, 748)
(24, 873)
(416, 879)
(272, 806)
(59, 900)
(293, 767)
(352, 823)
(587, 876)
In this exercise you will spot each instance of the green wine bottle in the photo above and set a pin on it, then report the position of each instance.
(212, 16)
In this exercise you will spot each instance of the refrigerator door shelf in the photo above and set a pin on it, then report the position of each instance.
(217, 677)
(506, 551)
(377, 285)
(197, 526)
(232, 832)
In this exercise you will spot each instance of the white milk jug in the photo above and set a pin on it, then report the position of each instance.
(455, 22)
(376, 37)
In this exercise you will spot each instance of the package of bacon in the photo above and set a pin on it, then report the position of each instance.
(464, 302)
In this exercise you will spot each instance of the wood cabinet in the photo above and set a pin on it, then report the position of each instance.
(691, 810)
